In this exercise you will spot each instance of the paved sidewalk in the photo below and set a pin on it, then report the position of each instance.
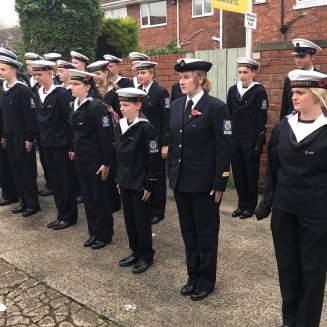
(54, 266)
(29, 302)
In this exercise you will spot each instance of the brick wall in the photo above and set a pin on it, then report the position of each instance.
(275, 50)
(310, 26)
(197, 32)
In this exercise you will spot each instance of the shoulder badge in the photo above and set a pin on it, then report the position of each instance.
(227, 127)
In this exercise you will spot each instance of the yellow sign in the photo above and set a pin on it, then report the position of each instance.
(240, 6)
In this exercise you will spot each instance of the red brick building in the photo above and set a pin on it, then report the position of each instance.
(192, 23)
(278, 23)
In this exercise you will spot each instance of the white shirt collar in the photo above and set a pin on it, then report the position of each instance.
(33, 81)
(242, 90)
(124, 126)
(147, 89)
(77, 104)
(44, 95)
(6, 87)
(302, 130)
(196, 98)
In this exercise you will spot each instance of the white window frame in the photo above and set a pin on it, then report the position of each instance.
(113, 9)
(258, 2)
(300, 4)
(203, 13)
(148, 9)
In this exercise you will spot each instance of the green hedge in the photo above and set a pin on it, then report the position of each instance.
(118, 37)
(60, 25)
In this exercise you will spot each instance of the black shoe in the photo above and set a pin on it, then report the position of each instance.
(62, 225)
(128, 261)
(19, 209)
(246, 214)
(262, 211)
(156, 220)
(188, 289)
(46, 192)
(79, 199)
(99, 244)
(30, 212)
(141, 266)
(237, 212)
(89, 241)
(199, 295)
(5, 202)
(53, 223)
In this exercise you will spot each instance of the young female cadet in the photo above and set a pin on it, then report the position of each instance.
(93, 152)
(198, 170)
(298, 173)
(138, 168)
(105, 84)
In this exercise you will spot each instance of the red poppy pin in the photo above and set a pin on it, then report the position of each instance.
(195, 112)
(323, 83)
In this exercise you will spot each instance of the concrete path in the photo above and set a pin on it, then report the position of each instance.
(247, 292)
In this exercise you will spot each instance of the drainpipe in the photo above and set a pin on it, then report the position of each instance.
(177, 25)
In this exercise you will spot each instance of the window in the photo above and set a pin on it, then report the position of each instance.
(116, 13)
(153, 14)
(201, 8)
(299, 4)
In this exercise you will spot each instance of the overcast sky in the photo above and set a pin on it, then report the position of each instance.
(8, 15)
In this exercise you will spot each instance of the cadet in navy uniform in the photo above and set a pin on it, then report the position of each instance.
(19, 131)
(106, 86)
(63, 73)
(156, 107)
(29, 57)
(248, 104)
(298, 160)
(79, 60)
(93, 153)
(198, 170)
(138, 169)
(113, 66)
(54, 57)
(304, 52)
(135, 57)
(53, 115)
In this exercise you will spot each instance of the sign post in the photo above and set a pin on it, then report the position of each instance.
(242, 7)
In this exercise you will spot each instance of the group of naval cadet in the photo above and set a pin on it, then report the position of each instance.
(110, 142)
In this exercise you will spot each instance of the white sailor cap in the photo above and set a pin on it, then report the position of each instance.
(247, 62)
(140, 65)
(303, 47)
(191, 64)
(52, 56)
(111, 58)
(32, 56)
(130, 94)
(79, 56)
(97, 65)
(65, 64)
(82, 76)
(38, 65)
(7, 53)
(10, 62)
(307, 79)
(138, 56)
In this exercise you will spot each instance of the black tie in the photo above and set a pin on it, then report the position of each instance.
(188, 109)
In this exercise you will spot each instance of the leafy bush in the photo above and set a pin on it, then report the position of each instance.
(118, 37)
(60, 25)
(171, 48)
